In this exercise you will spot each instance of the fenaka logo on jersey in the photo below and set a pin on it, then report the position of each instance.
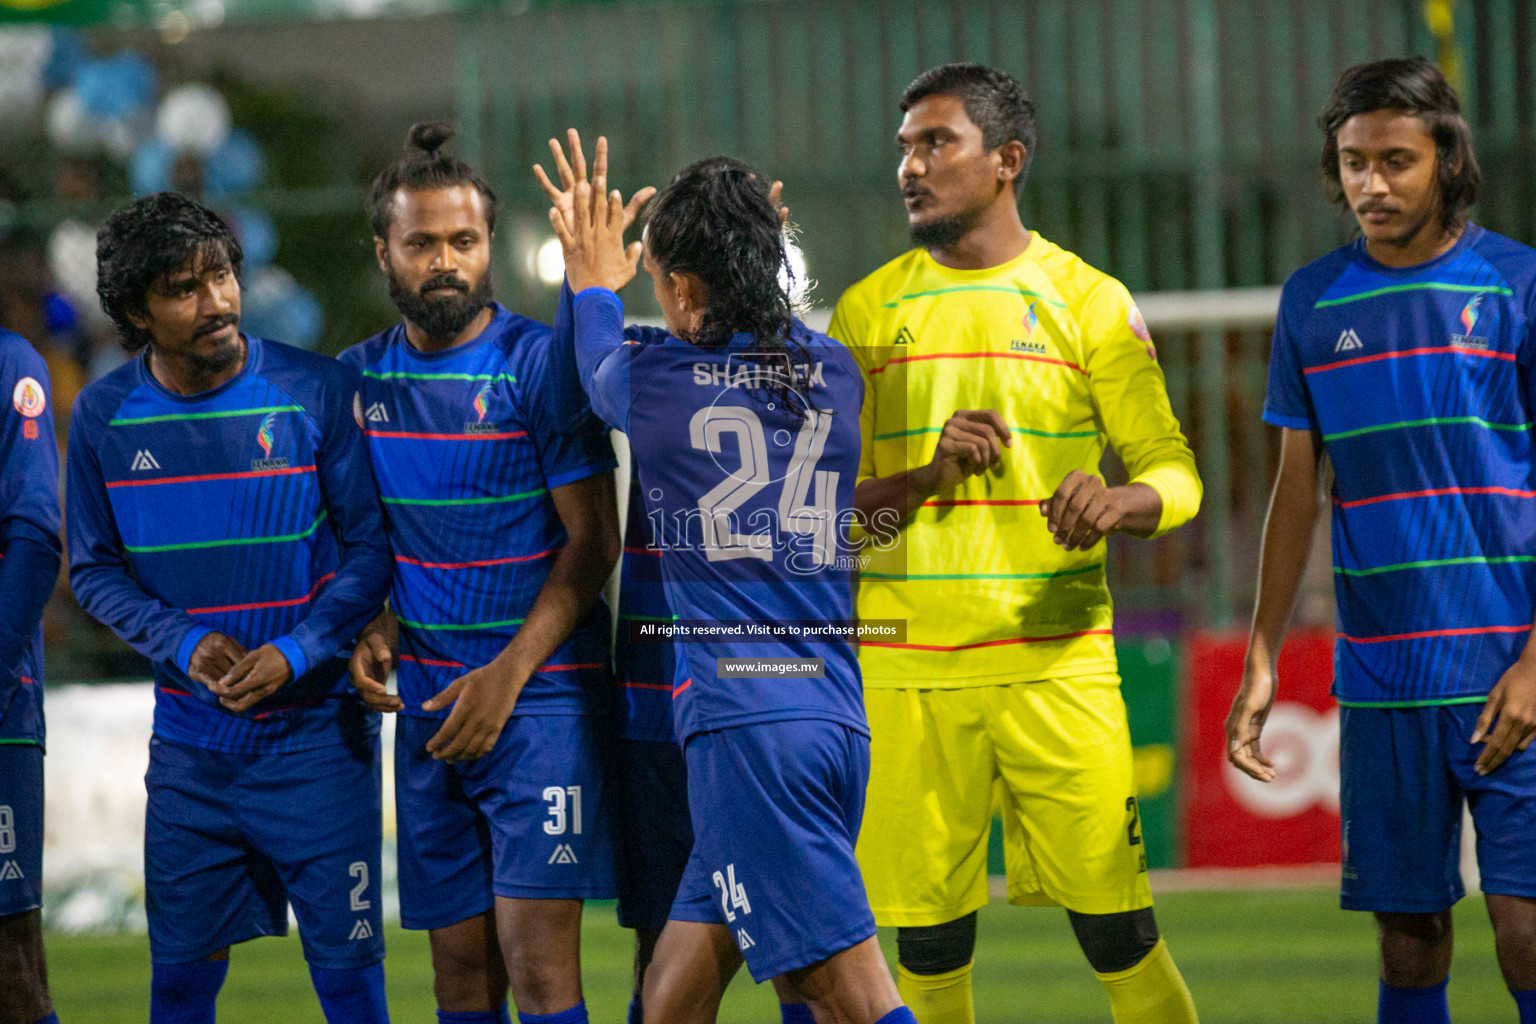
(142, 460)
(1029, 343)
(481, 405)
(28, 398)
(904, 337)
(377, 413)
(563, 855)
(361, 930)
(264, 440)
(1348, 341)
(1469, 314)
(11, 872)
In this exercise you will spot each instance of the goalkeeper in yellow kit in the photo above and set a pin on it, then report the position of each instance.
(997, 368)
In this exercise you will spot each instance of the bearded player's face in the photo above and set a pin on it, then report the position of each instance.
(438, 257)
(947, 175)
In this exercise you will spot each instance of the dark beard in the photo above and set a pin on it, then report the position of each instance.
(223, 357)
(944, 232)
(440, 319)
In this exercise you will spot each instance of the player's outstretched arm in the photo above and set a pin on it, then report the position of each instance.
(484, 698)
(573, 172)
(971, 444)
(1293, 509)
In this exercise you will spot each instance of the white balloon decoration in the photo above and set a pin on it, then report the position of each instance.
(70, 126)
(193, 117)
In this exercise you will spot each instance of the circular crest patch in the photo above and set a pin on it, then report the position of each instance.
(1138, 325)
(29, 398)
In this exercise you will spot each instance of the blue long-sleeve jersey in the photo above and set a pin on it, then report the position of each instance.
(29, 535)
(644, 673)
(748, 500)
(249, 510)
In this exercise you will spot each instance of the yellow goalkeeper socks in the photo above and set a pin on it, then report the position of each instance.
(938, 998)
(1152, 992)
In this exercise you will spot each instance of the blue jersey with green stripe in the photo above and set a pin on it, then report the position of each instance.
(1419, 383)
(466, 451)
(749, 495)
(645, 670)
(248, 510)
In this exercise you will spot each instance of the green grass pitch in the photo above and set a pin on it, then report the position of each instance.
(1250, 958)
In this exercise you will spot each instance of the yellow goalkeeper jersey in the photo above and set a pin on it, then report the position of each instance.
(1060, 351)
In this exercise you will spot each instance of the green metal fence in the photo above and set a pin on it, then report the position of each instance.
(1178, 151)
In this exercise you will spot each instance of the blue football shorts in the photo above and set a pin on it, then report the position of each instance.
(532, 819)
(657, 835)
(21, 828)
(1404, 774)
(231, 839)
(776, 808)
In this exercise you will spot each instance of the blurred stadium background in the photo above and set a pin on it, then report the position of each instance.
(1178, 151)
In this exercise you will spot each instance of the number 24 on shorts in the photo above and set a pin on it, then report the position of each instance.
(732, 893)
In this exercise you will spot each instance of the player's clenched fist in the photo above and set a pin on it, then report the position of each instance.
(253, 678)
(972, 443)
(1084, 510)
(214, 655)
(372, 659)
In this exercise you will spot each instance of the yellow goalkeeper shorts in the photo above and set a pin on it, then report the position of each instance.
(1054, 755)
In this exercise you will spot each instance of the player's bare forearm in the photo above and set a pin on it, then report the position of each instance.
(386, 626)
(1083, 510)
(588, 510)
(484, 698)
(1283, 558)
(1288, 528)
(897, 496)
(970, 444)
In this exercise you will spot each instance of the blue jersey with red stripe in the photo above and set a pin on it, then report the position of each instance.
(1419, 383)
(466, 453)
(249, 510)
(29, 509)
(644, 672)
(748, 501)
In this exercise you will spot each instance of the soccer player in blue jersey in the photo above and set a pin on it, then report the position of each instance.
(503, 526)
(1408, 358)
(655, 833)
(741, 419)
(223, 520)
(29, 565)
